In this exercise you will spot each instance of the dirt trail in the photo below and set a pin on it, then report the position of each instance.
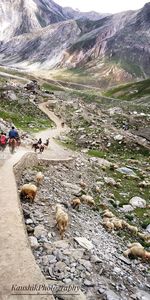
(55, 151)
(17, 264)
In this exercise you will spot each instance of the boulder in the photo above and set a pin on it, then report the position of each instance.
(61, 244)
(148, 228)
(127, 171)
(33, 242)
(110, 181)
(118, 137)
(138, 202)
(127, 208)
(40, 230)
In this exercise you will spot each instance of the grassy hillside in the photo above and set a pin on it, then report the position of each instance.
(130, 91)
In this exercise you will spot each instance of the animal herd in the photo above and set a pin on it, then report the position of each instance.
(110, 221)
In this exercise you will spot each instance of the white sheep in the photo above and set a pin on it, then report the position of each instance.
(75, 203)
(88, 200)
(28, 191)
(137, 251)
(61, 220)
(39, 178)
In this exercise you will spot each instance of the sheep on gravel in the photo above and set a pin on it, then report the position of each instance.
(108, 214)
(137, 251)
(130, 245)
(88, 200)
(132, 228)
(75, 203)
(108, 225)
(82, 184)
(144, 236)
(28, 191)
(118, 223)
(61, 220)
(39, 178)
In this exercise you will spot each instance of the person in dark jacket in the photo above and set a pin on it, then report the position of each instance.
(40, 141)
(13, 133)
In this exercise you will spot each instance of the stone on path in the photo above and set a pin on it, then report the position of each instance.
(82, 241)
(33, 242)
(40, 230)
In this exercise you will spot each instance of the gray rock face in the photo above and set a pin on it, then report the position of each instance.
(21, 16)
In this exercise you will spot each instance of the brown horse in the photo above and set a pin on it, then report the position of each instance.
(12, 145)
(39, 147)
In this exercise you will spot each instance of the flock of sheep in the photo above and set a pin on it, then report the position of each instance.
(29, 191)
(110, 221)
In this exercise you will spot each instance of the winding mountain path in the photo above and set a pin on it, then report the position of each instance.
(55, 151)
(17, 263)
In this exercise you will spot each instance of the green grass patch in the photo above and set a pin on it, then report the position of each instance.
(134, 90)
(87, 96)
(24, 116)
(51, 87)
(97, 153)
(70, 144)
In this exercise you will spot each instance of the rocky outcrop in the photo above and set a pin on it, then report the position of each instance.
(45, 48)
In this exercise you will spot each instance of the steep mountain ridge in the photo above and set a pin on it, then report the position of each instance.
(76, 14)
(43, 48)
(22, 16)
(43, 36)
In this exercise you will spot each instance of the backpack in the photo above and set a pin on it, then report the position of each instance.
(3, 139)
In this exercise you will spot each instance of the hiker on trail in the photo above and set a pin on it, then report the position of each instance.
(14, 137)
(40, 141)
(125, 126)
(3, 141)
(13, 133)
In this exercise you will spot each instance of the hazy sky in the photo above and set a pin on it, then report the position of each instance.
(105, 6)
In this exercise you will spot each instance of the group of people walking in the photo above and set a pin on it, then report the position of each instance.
(12, 139)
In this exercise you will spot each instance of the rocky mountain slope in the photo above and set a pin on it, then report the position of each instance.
(114, 45)
(18, 17)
